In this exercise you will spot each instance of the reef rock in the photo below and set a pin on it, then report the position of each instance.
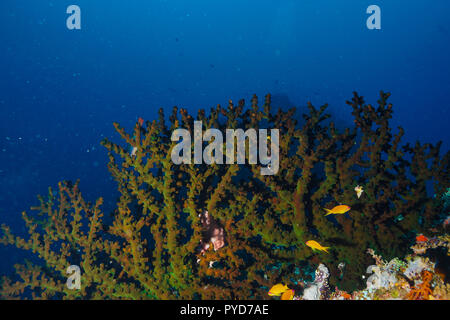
(319, 288)
(416, 266)
(311, 293)
(380, 278)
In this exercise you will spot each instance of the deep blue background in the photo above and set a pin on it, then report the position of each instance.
(60, 90)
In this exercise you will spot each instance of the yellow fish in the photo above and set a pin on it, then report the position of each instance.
(278, 289)
(288, 295)
(341, 209)
(316, 246)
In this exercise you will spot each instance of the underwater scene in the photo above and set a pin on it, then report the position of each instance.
(224, 150)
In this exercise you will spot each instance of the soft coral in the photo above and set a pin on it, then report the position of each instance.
(423, 290)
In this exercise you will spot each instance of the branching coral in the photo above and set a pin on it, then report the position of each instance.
(152, 247)
(423, 290)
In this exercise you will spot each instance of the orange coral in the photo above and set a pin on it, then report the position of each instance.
(345, 295)
(423, 290)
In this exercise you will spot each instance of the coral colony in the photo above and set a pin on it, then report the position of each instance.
(337, 214)
(213, 153)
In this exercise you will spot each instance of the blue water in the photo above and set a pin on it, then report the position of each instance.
(60, 89)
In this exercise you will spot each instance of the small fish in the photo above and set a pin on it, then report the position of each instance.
(341, 209)
(278, 289)
(359, 190)
(421, 238)
(141, 121)
(288, 295)
(316, 246)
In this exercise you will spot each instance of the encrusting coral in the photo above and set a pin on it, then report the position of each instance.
(154, 246)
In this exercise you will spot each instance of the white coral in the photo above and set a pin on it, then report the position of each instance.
(416, 266)
(312, 293)
(380, 278)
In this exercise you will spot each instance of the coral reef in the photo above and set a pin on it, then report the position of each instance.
(413, 278)
(154, 244)
(416, 277)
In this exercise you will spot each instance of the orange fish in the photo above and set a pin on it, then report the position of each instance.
(288, 295)
(314, 245)
(341, 209)
(421, 238)
(141, 121)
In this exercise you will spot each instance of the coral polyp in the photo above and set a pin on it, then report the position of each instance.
(154, 244)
